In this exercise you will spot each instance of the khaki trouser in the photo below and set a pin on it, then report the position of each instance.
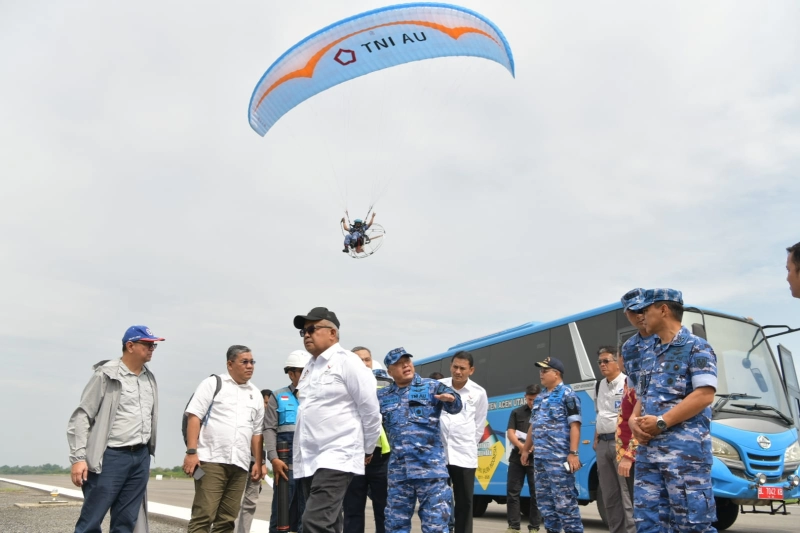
(217, 498)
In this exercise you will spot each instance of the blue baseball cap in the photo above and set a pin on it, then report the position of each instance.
(632, 297)
(652, 296)
(140, 333)
(552, 362)
(394, 356)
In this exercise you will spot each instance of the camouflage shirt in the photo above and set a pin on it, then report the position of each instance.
(552, 413)
(670, 372)
(631, 355)
(411, 418)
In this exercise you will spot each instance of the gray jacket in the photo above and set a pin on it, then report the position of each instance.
(90, 424)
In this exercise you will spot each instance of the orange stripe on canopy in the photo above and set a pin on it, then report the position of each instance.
(308, 70)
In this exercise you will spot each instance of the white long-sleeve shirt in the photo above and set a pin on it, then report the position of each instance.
(339, 415)
(237, 415)
(462, 432)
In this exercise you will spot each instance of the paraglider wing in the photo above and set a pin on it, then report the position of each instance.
(368, 42)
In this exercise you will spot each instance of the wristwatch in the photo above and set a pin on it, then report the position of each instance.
(573, 452)
(660, 424)
(191, 451)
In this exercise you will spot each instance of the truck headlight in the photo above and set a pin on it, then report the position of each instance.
(724, 450)
(792, 454)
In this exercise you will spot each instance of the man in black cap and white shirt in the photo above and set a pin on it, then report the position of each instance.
(338, 421)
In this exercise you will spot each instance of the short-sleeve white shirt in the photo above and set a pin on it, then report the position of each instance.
(608, 402)
(236, 415)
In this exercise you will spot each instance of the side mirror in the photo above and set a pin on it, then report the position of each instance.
(699, 330)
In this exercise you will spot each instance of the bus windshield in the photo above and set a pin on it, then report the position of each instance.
(745, 367)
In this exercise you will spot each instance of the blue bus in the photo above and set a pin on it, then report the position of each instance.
(755, 416)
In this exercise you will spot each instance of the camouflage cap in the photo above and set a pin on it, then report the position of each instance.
(652, 296)
(632, 297)
(394, 356)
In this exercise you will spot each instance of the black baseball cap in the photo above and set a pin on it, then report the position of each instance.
(318, 313)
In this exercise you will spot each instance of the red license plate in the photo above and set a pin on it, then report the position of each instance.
(770, 493)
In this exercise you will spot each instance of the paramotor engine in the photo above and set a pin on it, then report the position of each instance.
(369, 243)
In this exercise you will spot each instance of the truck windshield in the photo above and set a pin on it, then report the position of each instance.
(745, 367)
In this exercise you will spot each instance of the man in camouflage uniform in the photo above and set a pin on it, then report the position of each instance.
(555, 433)
(411, 407)
(633, 348)
(672, 419)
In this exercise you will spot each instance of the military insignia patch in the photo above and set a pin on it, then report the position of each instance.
(701, 361)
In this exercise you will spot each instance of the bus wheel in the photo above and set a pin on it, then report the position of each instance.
(524, 505)
(601, 506)
(479, 505)
(727, 512)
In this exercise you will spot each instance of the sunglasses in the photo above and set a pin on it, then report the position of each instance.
(604, 361)
(247, 362)
(150, 345)
(311, 329)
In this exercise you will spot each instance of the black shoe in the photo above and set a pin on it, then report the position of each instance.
(345, 249)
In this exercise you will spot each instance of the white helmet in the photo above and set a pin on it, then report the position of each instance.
(296, 359)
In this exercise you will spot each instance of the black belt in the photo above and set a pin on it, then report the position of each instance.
(134, 448)
(607, 436)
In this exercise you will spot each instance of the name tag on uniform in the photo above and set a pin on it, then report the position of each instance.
(390, 400)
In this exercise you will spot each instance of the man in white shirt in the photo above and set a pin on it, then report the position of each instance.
(338, 419)
(222, 434)
(610, 390)
(461, 434)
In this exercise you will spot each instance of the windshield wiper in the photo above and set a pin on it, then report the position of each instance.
(757, 407)
(725, 398)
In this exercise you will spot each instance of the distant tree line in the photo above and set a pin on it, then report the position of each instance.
(52, 469)
(26, 470)
(174, 472)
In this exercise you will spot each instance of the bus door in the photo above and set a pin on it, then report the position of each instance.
(790, 378)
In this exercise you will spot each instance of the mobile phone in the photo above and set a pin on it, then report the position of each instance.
(569, 469)
(198, 473)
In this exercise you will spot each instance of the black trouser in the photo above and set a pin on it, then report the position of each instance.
(463, 480)
(324, 492)
(375, 482)
(517, 474)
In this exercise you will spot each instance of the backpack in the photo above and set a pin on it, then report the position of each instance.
(185, 421)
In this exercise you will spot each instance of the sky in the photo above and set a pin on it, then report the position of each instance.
(640, 144)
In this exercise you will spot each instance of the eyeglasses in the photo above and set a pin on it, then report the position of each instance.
(311, 329)
(150, 345)
(545, 370)
(247, 362)
(604, 361)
